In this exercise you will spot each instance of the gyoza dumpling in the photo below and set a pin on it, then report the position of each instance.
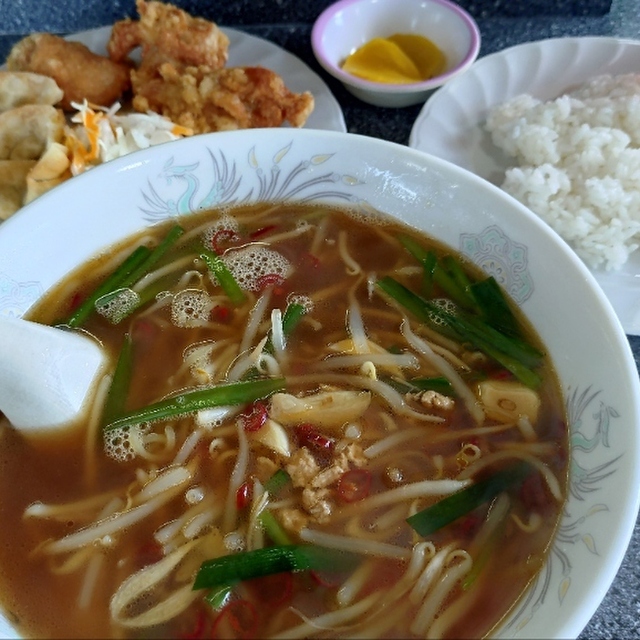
(18, 88)
(13, 185)
(48, 172)
(25, 132)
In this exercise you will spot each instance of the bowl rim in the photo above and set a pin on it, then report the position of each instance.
(322, 22)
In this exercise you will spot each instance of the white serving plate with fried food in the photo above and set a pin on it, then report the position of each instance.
(249, 50)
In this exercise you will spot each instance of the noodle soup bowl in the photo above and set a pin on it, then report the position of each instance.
(63, 228)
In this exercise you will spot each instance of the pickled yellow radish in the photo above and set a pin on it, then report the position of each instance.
(426, 55)
(398, 59)
(380, 60)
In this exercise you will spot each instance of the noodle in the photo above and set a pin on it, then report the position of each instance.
(551, 480)
(139, 583)
(72, 510)
(237, 476)
(162, 272)
(406, 360)
(352, 586)
(433, 602)
(352, 267)
(344, 543)
(392, 441)
(118, 521)
(329, 621)
(443, 366)
(90, 581)
(406, 492)
(92, 428)
(255, 318)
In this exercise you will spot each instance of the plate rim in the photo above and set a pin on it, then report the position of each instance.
(491, 58)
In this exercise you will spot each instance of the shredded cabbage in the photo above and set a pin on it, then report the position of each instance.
(104, 134)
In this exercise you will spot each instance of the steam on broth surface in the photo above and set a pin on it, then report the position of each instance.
(310, 431)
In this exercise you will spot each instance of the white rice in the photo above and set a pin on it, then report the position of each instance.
(577, 164)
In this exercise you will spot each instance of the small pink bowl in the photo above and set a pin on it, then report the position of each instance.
(348, 24)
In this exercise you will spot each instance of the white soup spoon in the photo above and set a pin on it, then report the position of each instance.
(46, 373)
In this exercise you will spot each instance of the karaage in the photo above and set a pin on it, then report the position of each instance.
(226, 99)
(178, 36)
(182, 75)
(80, 73)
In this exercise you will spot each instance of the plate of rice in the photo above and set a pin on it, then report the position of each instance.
(556, 124)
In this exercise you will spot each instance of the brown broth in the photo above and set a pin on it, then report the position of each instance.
(58, 469)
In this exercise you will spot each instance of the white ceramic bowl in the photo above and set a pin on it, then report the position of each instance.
(348, 24)
(597, 373)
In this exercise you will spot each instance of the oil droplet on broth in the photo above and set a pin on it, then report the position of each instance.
(398, 59)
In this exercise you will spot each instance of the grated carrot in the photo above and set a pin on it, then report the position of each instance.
(103, 134)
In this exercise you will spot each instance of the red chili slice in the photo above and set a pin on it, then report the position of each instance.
(533, 492)
(146, 328)
(76, 299)
(254, 418)
(501, 374)
(354, 485)
(220, 313)
(149, 553)
(309, 436)
(222, 238)
(469, 524)
(238, 619)
(145, 333)
(243, 495)
(327, 579)
(269, 280)
(309, 260)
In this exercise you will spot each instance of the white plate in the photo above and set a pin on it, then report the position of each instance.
(247, 50)
(451, 124)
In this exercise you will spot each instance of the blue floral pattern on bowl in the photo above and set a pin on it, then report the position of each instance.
(502, 258)
(589, 419)
(179, 189)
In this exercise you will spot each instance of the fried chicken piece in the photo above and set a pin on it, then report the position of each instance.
(182, 75)
(207, 100)
(181, 38)
(80, 73)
